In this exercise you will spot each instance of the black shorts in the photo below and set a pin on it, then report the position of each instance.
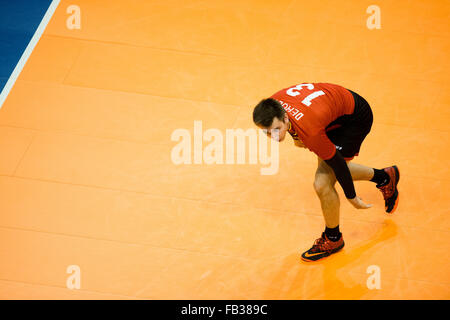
(349, 131)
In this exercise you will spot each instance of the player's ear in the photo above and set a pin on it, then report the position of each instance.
(286, 118)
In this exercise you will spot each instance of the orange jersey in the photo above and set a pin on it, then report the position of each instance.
(311, 107)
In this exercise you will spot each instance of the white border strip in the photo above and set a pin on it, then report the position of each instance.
(26, 54)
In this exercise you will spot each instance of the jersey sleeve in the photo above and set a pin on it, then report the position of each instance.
(320, 145)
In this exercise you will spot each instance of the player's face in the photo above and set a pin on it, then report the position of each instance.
(280, 125)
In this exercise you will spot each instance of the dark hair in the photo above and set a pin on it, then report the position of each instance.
(266, 110)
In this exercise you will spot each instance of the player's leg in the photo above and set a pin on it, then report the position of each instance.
(324, 185)
(360, 172)
(385, 178)
(331, 240)
(351, 138)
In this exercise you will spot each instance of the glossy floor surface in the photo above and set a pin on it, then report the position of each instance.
(87, 178)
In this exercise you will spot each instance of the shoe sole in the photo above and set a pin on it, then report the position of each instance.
(332, 252)
(397, 172)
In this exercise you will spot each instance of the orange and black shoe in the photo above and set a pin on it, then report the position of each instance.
(323, 247)
(389, 191)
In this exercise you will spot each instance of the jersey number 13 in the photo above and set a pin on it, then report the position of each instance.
(295, 91)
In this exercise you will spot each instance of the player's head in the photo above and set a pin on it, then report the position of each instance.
(268, 115)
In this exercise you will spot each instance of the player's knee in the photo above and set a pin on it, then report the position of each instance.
(322, 185)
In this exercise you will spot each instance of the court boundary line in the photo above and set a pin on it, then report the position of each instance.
(28, 50)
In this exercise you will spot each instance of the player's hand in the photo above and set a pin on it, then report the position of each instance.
(358, 203)
(299, 143)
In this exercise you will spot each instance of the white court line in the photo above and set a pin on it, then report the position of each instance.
(26, 54)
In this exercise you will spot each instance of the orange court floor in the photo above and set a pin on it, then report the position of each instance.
(87, 177)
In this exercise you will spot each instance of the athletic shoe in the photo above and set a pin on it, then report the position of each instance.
(389, 191)
(322, 248)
